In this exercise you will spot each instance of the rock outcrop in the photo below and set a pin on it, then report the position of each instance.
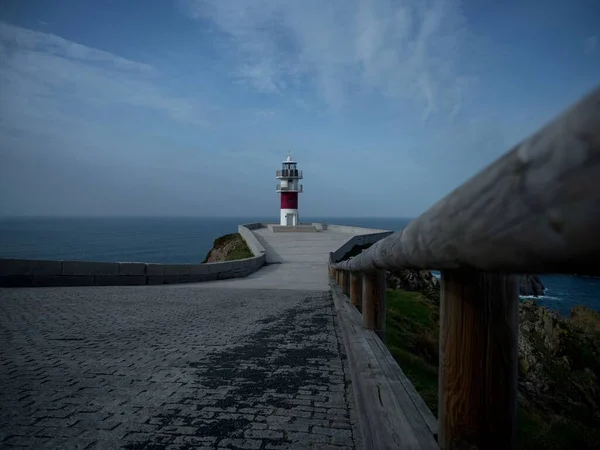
(531, 285)
(585, 319)
(424, 280)
(559, 362)
(228, 248)
(416, 280)
(411, 280)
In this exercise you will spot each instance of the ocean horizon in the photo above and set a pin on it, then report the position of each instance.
(189, 239)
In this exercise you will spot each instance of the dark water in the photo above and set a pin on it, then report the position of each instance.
(164, 240)
(188, 240)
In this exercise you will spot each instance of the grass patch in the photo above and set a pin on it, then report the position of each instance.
(422, 375)
(413, 324)
(538, 431)
(412, 327)
(240, 250)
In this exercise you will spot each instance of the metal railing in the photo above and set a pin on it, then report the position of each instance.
(281, 188)
(535, 210)
(288, 173)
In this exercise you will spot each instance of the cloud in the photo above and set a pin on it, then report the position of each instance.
(43, 75)
(22, 38)
(590, 44)
(342, 49)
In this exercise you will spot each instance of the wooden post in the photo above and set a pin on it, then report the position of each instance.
(355, 289)
(345, 282)
(478, 360)
(368, 300)
(380, 317)
(331, 271)
(373, 302)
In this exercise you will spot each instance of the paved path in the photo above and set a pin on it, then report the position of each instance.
(165, 367)
(182, 366)
(295, 261)
(300, 248)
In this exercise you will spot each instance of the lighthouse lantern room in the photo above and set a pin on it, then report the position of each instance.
(289, 187)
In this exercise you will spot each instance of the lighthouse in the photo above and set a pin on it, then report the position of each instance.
(289, 187)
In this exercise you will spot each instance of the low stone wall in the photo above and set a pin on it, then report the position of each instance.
(253, 226)
(352, 230)
(37, 273)
(293, 229)
(255, 247)
(360, 239)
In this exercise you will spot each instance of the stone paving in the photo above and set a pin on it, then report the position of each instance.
(164, 368)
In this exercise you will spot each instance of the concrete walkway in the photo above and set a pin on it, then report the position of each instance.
(294, 261)
(300, 248)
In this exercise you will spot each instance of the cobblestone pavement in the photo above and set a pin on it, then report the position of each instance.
(164, 368)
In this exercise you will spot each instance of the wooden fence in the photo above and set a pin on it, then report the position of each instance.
(534, 210)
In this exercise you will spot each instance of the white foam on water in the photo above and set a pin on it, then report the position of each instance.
(541, 297)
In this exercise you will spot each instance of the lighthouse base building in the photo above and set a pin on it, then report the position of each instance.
(289, 216)
(289, 188)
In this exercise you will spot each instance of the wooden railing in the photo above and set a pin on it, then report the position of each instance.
(534, 210)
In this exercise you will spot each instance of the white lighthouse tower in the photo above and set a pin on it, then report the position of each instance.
(289, 187)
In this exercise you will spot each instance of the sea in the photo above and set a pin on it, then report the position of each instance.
(189, 239)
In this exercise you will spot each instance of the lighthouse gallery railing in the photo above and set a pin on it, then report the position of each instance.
(534, 210)
(289, 173)
(281, 188)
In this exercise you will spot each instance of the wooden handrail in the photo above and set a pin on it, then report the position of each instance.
(534, 210)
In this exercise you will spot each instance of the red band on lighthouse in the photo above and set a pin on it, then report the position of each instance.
(289, 200)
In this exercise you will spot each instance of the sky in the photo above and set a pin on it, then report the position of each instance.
(188, 107)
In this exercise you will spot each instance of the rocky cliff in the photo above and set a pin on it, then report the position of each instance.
(531, 285)
(586, 319)
(414, 281)
(411, 280)
(228, 248)
(424, 280)
(559, 361)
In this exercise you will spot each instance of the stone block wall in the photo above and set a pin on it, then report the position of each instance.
(255, 247)
(295, 229)
(38, 273)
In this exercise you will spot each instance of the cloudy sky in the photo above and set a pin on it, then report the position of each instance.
(188, 107)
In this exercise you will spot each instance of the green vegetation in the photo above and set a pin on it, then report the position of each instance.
(412, 338)
(228, 248)
(537, 430)
(586, 319)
